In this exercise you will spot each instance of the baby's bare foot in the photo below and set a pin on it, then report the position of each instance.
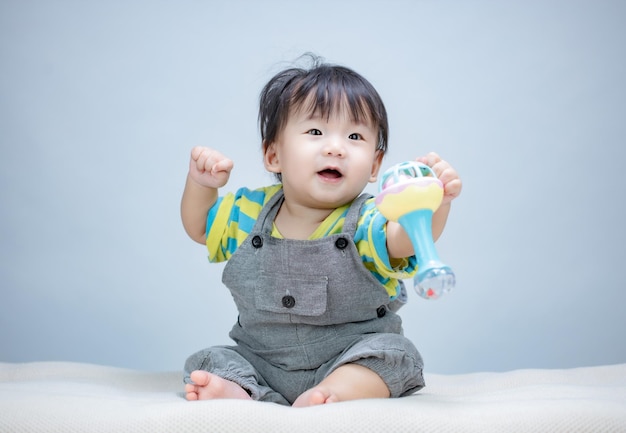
(315, 396)
(207, 386)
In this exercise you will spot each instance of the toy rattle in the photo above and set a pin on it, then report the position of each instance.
(409, 194)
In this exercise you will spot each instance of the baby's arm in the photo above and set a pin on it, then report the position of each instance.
(208, 171)
(398, 243)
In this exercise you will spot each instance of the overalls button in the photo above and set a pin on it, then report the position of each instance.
(341, 243)
(289, 301)
(257, 242)
(381, 311)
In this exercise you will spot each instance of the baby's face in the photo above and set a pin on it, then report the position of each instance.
(325, 161)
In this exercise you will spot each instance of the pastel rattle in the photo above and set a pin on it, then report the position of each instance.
(409, 194)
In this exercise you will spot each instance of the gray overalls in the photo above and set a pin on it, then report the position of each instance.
(307, 307)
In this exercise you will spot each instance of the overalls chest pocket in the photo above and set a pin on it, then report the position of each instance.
(290, 294)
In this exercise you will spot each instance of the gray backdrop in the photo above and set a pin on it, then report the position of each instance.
(100, 103)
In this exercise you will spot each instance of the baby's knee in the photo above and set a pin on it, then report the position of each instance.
(394, 358)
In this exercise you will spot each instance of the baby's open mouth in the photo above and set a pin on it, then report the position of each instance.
(330, 173)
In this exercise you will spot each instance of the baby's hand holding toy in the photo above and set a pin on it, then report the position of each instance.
(409, 194)
(446, 174)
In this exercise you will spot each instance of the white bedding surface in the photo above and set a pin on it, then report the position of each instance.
(71, 397)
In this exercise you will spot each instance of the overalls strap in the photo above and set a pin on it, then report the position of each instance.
(352, 219)
(267, 216)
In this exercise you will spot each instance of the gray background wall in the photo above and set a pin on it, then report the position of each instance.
(100, 103)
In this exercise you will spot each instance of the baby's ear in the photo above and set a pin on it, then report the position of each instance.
(376, 164)
(270, 158)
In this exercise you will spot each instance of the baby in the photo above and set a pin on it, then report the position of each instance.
(314, 268)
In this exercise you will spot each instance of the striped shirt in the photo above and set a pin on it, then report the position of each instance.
(233, 216)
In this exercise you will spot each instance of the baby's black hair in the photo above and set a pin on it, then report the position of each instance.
(325, 88)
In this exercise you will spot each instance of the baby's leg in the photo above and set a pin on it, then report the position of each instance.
(378, 366)
(348, 382)
(222, 372)
(207, 386)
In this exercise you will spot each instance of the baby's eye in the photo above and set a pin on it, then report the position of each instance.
(314, 132)
(355, 136)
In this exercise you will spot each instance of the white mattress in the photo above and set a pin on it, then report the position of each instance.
(70, 397)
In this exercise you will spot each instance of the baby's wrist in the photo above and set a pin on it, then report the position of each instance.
(199, 185)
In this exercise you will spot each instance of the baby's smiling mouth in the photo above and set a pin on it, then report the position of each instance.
(330, 173)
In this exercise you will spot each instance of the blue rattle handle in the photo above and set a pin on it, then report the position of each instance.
(433, 278)
(419, 226)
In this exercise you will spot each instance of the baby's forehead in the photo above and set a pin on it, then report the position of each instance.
(340, 107)
(343, 116)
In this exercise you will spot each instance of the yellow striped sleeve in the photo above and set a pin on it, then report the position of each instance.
(231, 219)
(371, 242)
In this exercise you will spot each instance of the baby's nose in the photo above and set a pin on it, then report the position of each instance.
(334, 147)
